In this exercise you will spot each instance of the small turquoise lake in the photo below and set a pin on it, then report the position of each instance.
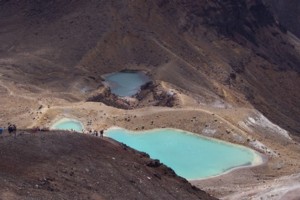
(126, 83)
(189, 155)
(67, 124)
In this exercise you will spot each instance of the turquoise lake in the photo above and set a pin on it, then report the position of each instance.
(67, 124)
(189, 155)
(126, 83)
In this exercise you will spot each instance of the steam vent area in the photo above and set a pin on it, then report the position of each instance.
(160, 99)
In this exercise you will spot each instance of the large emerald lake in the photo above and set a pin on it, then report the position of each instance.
(189, 155)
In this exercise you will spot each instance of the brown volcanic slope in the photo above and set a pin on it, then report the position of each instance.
(229, 50)
(75, 166)
(288, 14)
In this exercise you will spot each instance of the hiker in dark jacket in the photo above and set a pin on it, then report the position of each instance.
(12, 129)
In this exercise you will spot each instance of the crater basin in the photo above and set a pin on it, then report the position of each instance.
(126, 83)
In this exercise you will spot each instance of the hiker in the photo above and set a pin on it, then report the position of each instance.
(15, 130)
(101, 133)
(12, 128)
(1, 130)
(96, 133)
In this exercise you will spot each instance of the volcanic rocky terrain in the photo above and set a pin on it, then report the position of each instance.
(232, 68)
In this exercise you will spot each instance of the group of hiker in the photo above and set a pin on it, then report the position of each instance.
(94, 133)
(12, 129)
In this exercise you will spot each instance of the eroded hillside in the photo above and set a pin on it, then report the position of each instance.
(224, 51)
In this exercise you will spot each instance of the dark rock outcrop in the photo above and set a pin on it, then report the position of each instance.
(287, 12)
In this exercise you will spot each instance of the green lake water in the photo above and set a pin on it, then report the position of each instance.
(189, 155)
(68, 124)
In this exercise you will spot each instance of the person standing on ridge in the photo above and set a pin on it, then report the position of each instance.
(1, 130)
(15, 130)
(12, 129)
